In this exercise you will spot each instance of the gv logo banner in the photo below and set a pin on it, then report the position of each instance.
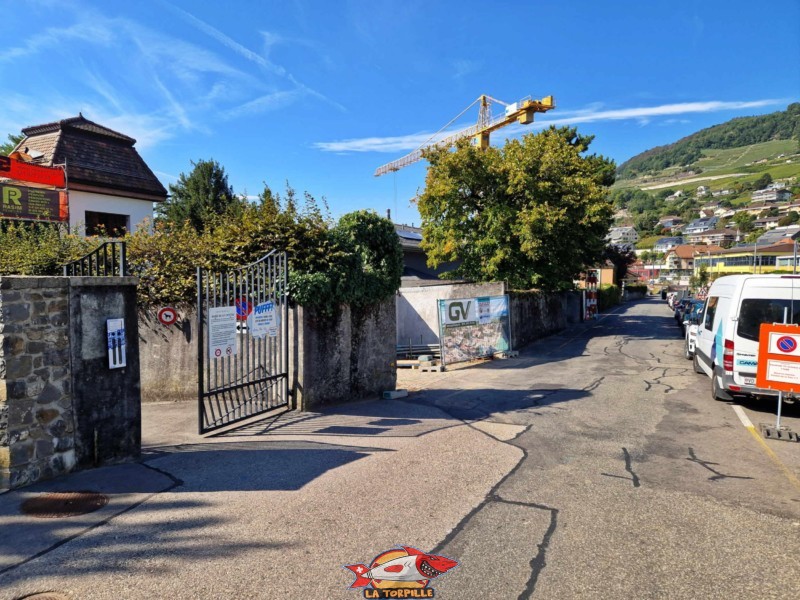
(460, 311)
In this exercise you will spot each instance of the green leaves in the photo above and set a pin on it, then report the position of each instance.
(533, 213)
(200, 197)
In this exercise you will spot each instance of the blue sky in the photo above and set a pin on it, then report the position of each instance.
(322, 93)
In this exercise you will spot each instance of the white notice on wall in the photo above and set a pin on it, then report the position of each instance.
(264, 320)
(221, 331)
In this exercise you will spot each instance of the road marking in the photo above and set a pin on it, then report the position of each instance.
(748, 424)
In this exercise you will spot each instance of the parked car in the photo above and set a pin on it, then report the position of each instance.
(727, 340)
(680, 308)
(691, 323)
(689, 308)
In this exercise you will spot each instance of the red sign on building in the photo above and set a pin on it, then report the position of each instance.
(22, 171)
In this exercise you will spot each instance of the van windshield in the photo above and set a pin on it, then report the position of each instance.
(756, 311)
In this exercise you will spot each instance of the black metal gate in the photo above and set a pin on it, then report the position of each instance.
(243, 341)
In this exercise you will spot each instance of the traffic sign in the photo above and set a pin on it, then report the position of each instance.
(779, 358)
(167, 315)
(243, 309)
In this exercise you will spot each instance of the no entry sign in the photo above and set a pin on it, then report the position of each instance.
(167, 315)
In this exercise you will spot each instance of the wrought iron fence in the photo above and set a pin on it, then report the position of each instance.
(108, 260)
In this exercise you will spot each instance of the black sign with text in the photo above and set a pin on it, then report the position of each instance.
(28, 203)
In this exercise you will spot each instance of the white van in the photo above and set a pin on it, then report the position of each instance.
(727, 340)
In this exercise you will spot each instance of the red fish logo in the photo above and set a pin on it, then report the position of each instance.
(404, 568)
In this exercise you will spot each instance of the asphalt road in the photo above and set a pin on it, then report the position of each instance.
(596, 465)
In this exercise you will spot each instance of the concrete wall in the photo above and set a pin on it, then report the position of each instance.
(343, 358)
(330, 359)
(55, 389)
(418, 312)
(535, 315)
(168, 357)
(106, 402)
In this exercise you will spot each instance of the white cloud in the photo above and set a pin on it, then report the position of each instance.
(593, 114)
(92, 32)
(272, 101)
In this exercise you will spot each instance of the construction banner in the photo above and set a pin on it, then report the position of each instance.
(32, 204)
(471, 328)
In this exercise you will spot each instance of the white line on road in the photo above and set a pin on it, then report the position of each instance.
(742, 416)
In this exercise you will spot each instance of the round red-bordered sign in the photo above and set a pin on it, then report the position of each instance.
(243, 308)
(167, 315)
(787, 344)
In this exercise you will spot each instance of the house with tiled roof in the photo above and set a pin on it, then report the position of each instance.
(110, 187)
(679, 261)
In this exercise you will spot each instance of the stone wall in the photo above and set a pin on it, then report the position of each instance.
(343, 358)
(60, 405)
(535, 315)
(36, 418)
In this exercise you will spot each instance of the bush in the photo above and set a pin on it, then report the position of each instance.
(637, 288)
(40, 248)
(607, 296)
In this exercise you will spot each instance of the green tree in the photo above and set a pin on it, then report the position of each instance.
(622, 258)
(200, 197)
(762, 182)
(13, 140)
(534, 213)
(744, 221)
(790, 219)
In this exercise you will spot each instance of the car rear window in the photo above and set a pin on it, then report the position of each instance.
(756, 311)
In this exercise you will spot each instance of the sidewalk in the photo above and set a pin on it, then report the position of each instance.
(272, 510)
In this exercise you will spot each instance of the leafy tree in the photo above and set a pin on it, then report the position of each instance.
(762, 182)
(790, 219)
(534, 213)
(753, 236)
(621, 258)
(13, 140)
(200, 197)
(744, 221)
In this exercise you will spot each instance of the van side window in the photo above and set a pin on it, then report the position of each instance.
(711, 309)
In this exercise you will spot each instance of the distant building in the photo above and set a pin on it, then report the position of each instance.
(679, 261)
(669, 221)
(702, 190)
(747, 259)
(667, 243)
(700, 225)
(719, 237)
(110, 187)
(778, 234)
(767, 222)
(416, 271)
(717, 193)
(771, 195)
(622, 235)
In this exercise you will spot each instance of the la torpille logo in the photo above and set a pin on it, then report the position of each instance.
(403, 572)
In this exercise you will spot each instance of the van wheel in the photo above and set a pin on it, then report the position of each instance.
(686, 354)
(696, 364)
(716, 392)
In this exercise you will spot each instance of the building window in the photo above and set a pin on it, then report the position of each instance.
(109, 224)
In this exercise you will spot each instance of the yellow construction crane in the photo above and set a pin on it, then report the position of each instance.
(521, 111)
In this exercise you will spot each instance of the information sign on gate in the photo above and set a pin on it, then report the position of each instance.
(222, 331)
(779, 358)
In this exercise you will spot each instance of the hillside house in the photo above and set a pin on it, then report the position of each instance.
(718, 237)
(109, 186)
(771, 196)
(622, 235)
(679, 262)
(667, 243)
(701, 225)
